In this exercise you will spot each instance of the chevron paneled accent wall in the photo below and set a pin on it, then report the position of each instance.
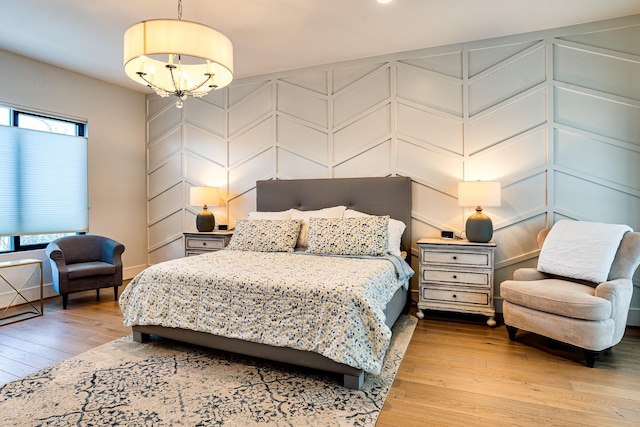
(554, 116)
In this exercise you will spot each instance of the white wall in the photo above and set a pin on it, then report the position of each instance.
(553, 115)
(116, 130)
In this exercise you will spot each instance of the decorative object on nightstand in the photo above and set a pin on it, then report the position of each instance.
(479, 227)
(456, 275)
(204, 196)
(201, 243)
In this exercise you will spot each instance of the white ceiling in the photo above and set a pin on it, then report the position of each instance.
(275, 35)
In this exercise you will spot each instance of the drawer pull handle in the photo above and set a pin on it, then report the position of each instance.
(455, 296)
(455, 257)
(204, 243)
(455, 277)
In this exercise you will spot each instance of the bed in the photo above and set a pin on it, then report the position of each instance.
(377, 196)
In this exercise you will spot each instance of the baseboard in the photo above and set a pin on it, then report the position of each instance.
(32, 291)
(131, 272)
(634, 317)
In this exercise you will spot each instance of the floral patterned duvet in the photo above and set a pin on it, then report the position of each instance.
(325, 304)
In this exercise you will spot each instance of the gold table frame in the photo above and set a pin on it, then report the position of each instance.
(32, 310)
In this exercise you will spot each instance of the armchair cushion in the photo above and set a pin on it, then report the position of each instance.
(559, 297)
(89, 269)
(528, 274)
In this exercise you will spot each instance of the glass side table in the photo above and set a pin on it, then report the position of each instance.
(20, 308)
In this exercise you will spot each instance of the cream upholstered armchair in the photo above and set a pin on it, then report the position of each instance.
(590, 314)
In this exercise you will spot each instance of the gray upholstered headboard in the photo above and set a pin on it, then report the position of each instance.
(377, 196)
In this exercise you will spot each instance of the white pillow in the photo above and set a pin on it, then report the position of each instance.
(283, 215)
(303, 237)
(394, 234)
(581, 249)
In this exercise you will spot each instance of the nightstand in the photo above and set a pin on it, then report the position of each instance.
(456, 275)
(197, 243)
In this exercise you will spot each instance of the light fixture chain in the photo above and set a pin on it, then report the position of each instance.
(180, 10)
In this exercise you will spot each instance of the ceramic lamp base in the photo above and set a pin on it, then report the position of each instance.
(205, 221)
(479, 228)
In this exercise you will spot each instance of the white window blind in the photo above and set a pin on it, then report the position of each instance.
(43, 182)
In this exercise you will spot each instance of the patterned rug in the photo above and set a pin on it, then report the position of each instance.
(163, 383)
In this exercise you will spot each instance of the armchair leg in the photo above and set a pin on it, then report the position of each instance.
(65, 298)
(591, 357)
(98, 294)
(512, 330)
(115, 293)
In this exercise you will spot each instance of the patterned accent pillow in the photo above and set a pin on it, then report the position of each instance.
(349, 236)
(332, 212)
(396, 228)
(264, 235)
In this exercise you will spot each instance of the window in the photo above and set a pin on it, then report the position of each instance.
(43, 170)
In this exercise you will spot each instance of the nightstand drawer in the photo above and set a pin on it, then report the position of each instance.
(463, 277)
(456, 258)
(202, 243)
(443, 295)
(211, 244)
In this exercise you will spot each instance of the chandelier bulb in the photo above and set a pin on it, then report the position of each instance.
(179, 103)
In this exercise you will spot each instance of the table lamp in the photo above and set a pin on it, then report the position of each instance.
(479, 227)
(203, 196)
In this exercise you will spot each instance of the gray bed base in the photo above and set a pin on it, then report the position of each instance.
(352, 377)
(377, 196)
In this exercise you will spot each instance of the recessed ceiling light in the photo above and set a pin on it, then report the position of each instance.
(385, 1)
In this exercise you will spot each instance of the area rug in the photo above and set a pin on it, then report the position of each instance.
(164, 383)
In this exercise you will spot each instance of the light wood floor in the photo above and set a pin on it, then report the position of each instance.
(456, 371)
(459, 372)
(36, 343)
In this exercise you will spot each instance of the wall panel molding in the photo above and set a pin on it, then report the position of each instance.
(553, 115)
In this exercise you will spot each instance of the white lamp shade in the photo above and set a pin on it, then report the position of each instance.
(147, 45)
(204, 196)
(479, 193)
